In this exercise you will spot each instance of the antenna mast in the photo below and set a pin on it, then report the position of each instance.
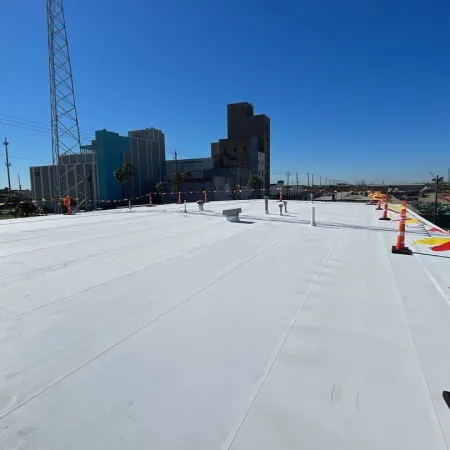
(69, 176)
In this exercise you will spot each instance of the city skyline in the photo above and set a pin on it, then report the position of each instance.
(353, 91)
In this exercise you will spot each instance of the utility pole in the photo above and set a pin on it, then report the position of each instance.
(436, 179)
(312, 180)
(7, 164)
(436, 199)
(296, 179)
(175, 156)
(308, 179)
(20, 186)
(90, 185)
(288, 174)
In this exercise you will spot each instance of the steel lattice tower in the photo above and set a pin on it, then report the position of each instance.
(69, 171)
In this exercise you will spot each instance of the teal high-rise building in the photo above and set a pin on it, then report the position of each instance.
(110, 148)
(145, 149)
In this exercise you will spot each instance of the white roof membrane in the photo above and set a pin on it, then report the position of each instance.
(165, 330)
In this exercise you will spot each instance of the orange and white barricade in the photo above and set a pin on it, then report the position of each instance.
(399, 246)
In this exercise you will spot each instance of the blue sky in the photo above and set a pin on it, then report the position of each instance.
(354, 88)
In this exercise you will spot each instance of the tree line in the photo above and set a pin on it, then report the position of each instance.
(125, 172)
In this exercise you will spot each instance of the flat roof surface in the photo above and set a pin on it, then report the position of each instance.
(158, 329)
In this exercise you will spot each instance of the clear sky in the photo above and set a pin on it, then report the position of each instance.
(354, 88)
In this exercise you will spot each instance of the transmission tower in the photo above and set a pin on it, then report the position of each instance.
(69, 171)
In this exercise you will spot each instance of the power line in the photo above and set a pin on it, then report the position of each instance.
(33, 125)
(48, 161)
(24, 127)
(21, 119)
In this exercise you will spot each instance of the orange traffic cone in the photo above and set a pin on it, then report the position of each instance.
(385, 211)
(399, 247)
(378, 208)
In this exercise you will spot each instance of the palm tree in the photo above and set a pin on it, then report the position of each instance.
(186, 176)
(124, 173)
(182, 177)
(161, 187)
(118, 175)
(177, 178)
(254, 182)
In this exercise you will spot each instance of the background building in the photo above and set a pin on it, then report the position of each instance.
(246, 150)
(148, 155)
(96, 163)
(80, 170)
(42, 184)
(145, 149)
(197, 167)
(109, 149)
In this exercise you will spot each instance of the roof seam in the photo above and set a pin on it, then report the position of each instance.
(200, 247)
(167, 311)
(416, 349)
(272, 364)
